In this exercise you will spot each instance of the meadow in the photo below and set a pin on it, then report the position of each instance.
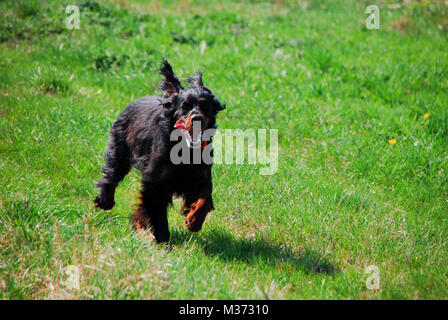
(362, 176)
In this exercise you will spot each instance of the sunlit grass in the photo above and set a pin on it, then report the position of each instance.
(362, 174)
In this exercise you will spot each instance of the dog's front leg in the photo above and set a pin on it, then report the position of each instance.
(152, 212)
(196, 208)
(116, 167)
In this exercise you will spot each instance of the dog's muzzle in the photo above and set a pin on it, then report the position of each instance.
(193, 134)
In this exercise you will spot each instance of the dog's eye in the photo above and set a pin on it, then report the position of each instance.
(187, 104)
(203, 103)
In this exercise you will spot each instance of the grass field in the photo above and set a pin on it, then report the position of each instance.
(363, 149)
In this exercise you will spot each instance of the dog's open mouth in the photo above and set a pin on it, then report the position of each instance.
(193, 135)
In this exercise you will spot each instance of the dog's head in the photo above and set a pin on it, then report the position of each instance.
(193, 109)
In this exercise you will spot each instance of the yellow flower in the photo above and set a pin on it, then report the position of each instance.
(392, 141)
(426, 115)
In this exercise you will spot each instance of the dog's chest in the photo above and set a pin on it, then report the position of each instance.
(180, 177)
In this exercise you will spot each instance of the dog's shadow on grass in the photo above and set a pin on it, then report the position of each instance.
(225, 246)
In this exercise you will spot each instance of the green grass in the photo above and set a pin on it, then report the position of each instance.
(343, 198)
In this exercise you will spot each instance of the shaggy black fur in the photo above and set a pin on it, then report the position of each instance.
(140, 138)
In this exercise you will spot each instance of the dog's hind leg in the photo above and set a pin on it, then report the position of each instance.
(117, 165)
(152, 212)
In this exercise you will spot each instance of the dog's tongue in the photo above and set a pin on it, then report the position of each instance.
(180, 125)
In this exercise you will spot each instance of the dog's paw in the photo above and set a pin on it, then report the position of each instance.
(101, 203)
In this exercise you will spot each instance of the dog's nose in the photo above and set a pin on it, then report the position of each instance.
(197, 117)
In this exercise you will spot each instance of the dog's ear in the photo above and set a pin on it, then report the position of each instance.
(170, 84)
(195, 80)
(218, 105)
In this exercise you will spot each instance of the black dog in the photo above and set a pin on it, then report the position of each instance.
(140, 138)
